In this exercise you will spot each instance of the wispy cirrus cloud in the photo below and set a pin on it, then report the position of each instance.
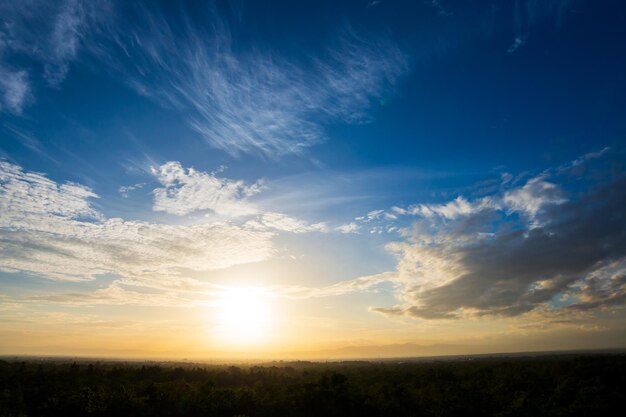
(366, 283)
(119, 293)
(242, 98)
(187, 292)
(529, 13)
(439, 8)
(36, 34)
(69, 26)
(15, 90)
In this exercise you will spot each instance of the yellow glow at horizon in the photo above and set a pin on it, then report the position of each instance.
(244, 317)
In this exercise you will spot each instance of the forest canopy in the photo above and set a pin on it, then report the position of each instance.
(550, 385)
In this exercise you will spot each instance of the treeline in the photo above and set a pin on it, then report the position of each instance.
(545, 386)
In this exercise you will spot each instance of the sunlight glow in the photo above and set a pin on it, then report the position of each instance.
(243, 316)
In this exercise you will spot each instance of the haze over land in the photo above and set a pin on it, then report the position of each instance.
(234, 180)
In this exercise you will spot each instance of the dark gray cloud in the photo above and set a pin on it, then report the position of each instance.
(567, 255)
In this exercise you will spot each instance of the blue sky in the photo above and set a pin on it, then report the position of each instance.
(399, 163)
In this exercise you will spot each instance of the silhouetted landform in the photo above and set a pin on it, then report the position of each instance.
(550, 385)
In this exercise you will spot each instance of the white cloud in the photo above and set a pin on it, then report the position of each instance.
(189, 190)
(285, 223)
(457, 271)
(533, 196)
(38, 34)
(53, 230)
(370, 216)
(458, 207)
(14, 90)
(242, 98)
(518, 42)
(528, 14)
(528, 199)
(348, 228)
(360, 284)
(398, 210)
(441, 11)
(64, 41)
(239, 98)
(120, 293)
(580, 161)
(125, 190)
(517, 251)
(505, 178)
(29, 195)
(390, 216)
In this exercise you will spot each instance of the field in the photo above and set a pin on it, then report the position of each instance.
(551, 385)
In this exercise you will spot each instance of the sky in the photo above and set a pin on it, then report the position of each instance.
(240, 179)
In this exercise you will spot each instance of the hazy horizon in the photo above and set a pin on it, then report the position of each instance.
(400, 352)
(386, 178)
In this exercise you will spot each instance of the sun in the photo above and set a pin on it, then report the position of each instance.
(243, 316)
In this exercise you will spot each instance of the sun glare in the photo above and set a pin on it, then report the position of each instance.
(243, 316)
